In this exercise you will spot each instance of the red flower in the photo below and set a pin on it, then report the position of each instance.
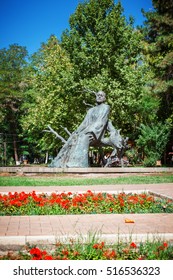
(65, 252)
(121, 202)
(141, 257)
(133, 245)
(35, 259)
(41, 204)
(48, 257)
(35, 251)
(40, 255)
(99, 245)
(150, 198)
(110, 254)
(133, 199)
(96, 246)
(165, 244)
(69, 193)
(90, 193)
(76, 253)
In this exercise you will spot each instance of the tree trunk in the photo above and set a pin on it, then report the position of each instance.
(47, 156)
(16, 158)
(5, 153)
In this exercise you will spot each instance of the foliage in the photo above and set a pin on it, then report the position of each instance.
(85, 203)
(158, 33)
(52, 92)
(96, 249)
(133, 156)
(12, 85)
(153, 140)
(105, 51)
(12, 62)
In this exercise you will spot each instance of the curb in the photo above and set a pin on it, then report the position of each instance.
(87, 170)
(19, 241)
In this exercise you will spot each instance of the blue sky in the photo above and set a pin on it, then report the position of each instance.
(31, 22)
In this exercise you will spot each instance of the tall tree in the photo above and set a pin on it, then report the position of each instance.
(12, 68)
(159, 36)
(105, 51)
(51, 99)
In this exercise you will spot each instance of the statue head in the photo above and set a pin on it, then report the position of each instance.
(100, 96)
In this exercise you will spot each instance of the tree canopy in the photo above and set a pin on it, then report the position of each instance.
(53, 102)
(12, 73)
(105, 50)
(159, 36)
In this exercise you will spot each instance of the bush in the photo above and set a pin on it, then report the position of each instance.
(133, 156)
(149, 162)
(153, 140)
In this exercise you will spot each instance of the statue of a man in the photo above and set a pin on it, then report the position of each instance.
(74, 153)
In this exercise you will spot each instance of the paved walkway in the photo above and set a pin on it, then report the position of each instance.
(18, 230)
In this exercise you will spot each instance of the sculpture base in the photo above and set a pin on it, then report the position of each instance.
(90, 170)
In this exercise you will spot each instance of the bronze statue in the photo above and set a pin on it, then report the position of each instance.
(91, 132)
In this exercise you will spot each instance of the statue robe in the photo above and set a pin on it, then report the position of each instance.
(74, 153)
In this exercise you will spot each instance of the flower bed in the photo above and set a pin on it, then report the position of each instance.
(82, 203)
(93, 250)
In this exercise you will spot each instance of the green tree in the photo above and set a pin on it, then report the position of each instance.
(158, 53)
(105, 51)
(158, 33)
(152, 141)
(51, 99)
(12, 85)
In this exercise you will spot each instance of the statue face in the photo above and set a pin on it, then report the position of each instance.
(100, 97)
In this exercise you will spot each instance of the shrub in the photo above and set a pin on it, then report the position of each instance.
(153, 140)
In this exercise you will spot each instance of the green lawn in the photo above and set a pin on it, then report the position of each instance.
(66, 181)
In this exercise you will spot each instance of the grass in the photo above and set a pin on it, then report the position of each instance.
(68, 181)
